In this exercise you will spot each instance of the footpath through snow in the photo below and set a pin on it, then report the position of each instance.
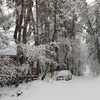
(79, 88)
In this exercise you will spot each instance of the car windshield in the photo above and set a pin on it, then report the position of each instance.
(61, 76)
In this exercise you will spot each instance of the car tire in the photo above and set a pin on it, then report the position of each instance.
(66, 79)
(57, 79)
(70, 77)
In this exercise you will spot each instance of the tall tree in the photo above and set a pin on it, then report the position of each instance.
(23, 9)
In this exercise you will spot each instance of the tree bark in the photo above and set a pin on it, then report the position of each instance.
(46, 71)
(37, 40)
(55, 21)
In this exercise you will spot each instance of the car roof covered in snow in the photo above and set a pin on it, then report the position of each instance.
(64, 72)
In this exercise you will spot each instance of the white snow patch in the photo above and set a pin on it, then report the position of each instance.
(79, 88)
(11, 50)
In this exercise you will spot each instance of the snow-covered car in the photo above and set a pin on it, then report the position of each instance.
(64, 75)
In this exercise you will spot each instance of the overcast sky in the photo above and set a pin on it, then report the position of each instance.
(89, 1)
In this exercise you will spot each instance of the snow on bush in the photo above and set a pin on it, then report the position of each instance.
(45, 54)
(42, 53)
(4, 41)
(7, 70)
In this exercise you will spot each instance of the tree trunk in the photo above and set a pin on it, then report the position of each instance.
(55, 21)
(46, 71)
(22, 21)
(37, 41)
(98, 49)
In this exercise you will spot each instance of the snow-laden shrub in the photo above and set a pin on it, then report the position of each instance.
(4, 41)
(42, 53)
(24, 69)
(46, 55)
(10, 73)
(7, 70)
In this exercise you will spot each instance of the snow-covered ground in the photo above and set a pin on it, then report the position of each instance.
(79, 88)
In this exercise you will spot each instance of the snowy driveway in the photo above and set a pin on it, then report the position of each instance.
(79, 88)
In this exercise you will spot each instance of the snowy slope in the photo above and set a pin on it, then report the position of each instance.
(79, 88)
